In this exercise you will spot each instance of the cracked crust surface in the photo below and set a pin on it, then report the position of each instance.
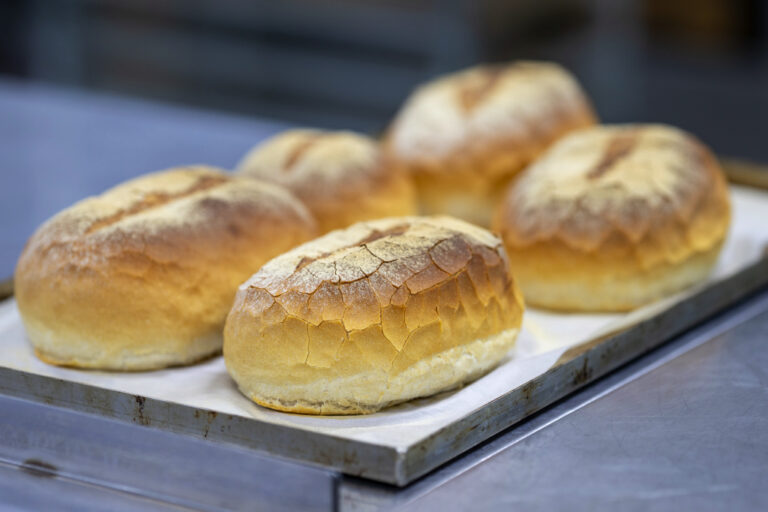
(464, 136)
(340, 176)
(143, 275)
(613, 217)
(379, 313)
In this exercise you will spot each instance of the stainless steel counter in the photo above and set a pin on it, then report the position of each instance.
(684, 427)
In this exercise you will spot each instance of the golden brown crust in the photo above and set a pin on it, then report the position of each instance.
(463, 137)
(143, 275)
(614, 217)
(340, 176)
(381, 312)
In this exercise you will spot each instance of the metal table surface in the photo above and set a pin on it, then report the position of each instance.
(684, 427)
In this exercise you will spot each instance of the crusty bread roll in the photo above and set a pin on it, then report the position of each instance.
(373, 315)
(614, 217)
(143, 275)
(464, 136)
(340, 176)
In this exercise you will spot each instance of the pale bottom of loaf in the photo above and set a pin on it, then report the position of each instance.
(589, 292)
(56, 348)
(371, 391)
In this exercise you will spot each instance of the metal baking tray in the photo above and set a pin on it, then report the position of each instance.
(397, 445)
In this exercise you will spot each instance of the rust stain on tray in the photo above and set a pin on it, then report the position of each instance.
(583, 374)
(39, 468)
(138, 415)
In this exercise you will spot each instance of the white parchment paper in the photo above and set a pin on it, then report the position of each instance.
(544, 338)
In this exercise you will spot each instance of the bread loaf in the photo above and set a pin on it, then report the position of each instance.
(464, 136)
(342, 177)
(614, 217)
(143, 275)
(379, 313)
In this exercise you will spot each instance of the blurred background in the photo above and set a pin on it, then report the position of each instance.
(699, 64)
(93, 92)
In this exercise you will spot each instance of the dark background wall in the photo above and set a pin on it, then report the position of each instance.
(698, 64)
